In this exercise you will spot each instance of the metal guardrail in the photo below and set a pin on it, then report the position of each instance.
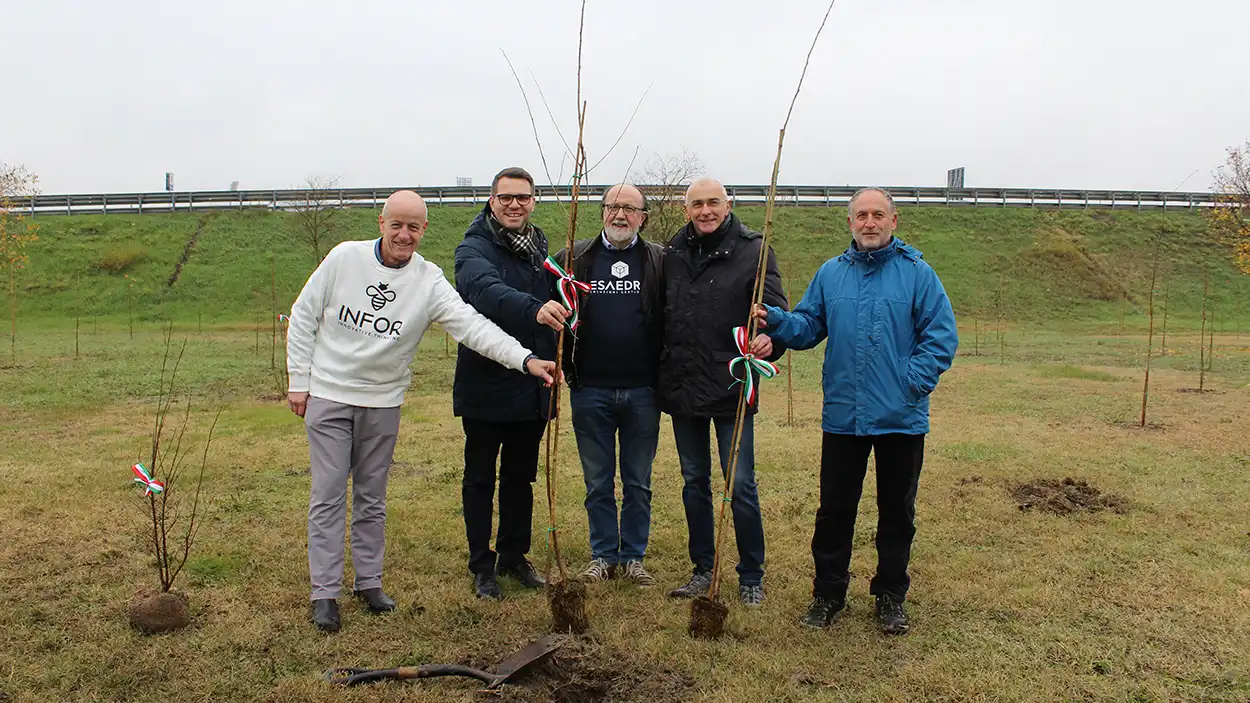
(818, 196)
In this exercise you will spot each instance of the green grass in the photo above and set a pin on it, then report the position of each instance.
(1150, 605)
(1007, 605)
(1067, 268)
(1070, 371)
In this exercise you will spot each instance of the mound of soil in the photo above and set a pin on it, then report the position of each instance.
(707, 618)
(567, 599)
(583, 670)
(1066, 497)
(159, 613)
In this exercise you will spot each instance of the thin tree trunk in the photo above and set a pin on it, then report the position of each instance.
(1167, 289)
(12, 317)
(1202, 335)
(1150, 335)
(273, 315)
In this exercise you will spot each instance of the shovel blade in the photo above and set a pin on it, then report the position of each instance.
(523, 660)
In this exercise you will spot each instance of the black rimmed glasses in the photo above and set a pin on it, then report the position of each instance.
(509, 198)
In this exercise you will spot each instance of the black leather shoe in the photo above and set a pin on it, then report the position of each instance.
(487, 587)
(524, 572)
(375, 600)
(822, 612)
(891, 617)
(325, 614)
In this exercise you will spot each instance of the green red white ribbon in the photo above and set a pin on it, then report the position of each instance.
(283, 318)
(765, 369)
(568, 287)
(144, 478)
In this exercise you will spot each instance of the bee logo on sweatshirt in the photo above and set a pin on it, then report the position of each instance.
(379, 295)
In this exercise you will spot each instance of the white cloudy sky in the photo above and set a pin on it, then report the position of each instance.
(1131, 94)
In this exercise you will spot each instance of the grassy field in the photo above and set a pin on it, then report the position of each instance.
(1147, 602)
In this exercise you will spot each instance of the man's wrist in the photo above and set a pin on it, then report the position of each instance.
(525, 365)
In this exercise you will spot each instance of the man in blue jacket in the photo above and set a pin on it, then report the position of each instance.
(891, 333)
(499, 271)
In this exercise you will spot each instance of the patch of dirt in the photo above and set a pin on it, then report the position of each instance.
(1196, 390)
(584, 670)
(1150, 426)
(707, 618)
(568, 606)
(969, 480)
(159, 613)
(1066, 497)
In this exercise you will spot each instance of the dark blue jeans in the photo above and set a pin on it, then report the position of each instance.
(695, 453)
(598, 415)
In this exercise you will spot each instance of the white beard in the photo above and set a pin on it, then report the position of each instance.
(620, 236)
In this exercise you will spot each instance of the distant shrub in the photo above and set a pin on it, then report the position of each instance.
(120, 259)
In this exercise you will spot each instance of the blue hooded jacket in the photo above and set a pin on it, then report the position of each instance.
(891, 333)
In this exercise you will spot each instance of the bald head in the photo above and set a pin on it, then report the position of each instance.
(704, 187)
(406, 203)
(707, 205)
(402, 223)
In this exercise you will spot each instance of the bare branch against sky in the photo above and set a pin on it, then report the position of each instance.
(1063, 93)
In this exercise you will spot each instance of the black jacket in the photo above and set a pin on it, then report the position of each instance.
(584, 252)
(509, 290)
(705, 298)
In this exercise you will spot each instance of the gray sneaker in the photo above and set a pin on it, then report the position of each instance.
(634, 572)
(752, 596)
(697, 586)
(598, 570)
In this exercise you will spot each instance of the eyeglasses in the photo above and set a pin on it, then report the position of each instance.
(507, 198)
(626, 209)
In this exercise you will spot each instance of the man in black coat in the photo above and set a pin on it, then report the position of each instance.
(710, 272)
(499, 271)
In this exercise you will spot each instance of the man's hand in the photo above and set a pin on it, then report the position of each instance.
(761, 346)
(298, 402)
(761, 313)
(553, 315)
(542, 369)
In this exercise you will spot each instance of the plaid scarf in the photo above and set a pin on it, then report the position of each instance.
(522, 243)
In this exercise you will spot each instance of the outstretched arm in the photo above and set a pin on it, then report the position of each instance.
(804, 327)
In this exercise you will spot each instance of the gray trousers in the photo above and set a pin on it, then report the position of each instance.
(346, 440)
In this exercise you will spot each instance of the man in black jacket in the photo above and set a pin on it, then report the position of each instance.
(499, 271)
(611, 367)
(709, 272)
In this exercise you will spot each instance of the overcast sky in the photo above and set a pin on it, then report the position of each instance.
(1128, 94)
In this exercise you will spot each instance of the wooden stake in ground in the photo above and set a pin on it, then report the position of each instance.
(1150, 335)
(77, 313)
(1202, 335)
(707, 613)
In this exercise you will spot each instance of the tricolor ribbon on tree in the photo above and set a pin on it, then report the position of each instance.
(283, 318)
(568, 287)
(144, 478)
(765, 369)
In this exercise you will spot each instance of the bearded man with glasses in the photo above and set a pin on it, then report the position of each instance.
(499, 271)
(611, 367)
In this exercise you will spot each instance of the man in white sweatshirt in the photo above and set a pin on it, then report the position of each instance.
(353, 332)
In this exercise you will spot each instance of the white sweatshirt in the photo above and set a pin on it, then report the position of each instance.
(356, 325)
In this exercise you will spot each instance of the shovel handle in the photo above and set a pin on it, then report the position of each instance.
(349, 676)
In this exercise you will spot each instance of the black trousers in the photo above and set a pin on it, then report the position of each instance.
(515, 445)
(843, 463)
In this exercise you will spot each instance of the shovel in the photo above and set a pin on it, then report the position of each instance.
(505, 671)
